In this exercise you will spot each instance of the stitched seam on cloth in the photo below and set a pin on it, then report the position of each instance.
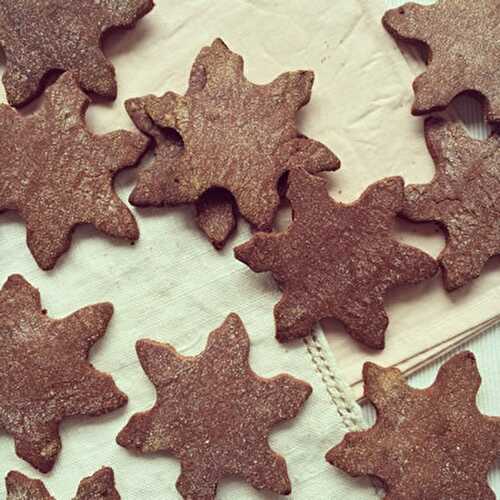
(342, 402)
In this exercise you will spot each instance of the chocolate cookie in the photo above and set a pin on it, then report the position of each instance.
(232, 135)
(337, 260)
(57, 174)
(463, 198)
(22, 487)
(43, 35)
(426, 444)
(214, 414)
(100, 486)
(462, 37)
(45, 374)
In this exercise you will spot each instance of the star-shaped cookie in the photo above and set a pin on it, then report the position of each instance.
(462, 37)
(214, 413)
(99, 486)
(426, 444)
(337, 260)
(463, 198)
(57, 174)
(232, 135)
(39, 36)
(45, 375)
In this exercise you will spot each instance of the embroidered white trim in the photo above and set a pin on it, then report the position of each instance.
(339, 392)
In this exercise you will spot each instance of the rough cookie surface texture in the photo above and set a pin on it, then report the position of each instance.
(21, 487)
(46, 376)
(462, 37)
(100, 486)
(236, 136)
(43, 35)
(337, 260)
(426, 444)
(463, 198)
(214, 414)
(57, 174)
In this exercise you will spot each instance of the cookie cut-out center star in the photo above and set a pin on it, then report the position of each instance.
(57, 174)
(99, 486)
(45, 374)
(236, 136)
(463, 198)
(214, 414)
(462, 37)
(337, 260)
(39, 36)
(432, 443)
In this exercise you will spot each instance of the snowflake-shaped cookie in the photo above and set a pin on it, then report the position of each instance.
(45, 376)
(462, 36)
(463, 198)
(43, 35)
(215, 414)
(234, 135)
(426, 444)
(57, 174)
(337, 260)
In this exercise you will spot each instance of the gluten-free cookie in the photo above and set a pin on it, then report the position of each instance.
(46, 376)
(231, 134)
(463, 198)
(462, 37)
(214, 414)
(57, 174)
(99, 486)
(43, 35)
(337, 260)
(426, 444)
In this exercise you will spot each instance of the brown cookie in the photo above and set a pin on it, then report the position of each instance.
(337, 260)
(463, 198)
(463, 51)
(235, 135)
(100, 486)
(21, 487)
(39, 36)
(426, 444)
(57, 174)
(45, 374)
(216, 214)
(214, 413)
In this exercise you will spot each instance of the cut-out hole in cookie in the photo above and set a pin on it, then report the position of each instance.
(171, 135)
